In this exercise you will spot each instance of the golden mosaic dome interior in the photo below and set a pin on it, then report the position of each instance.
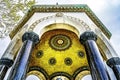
(59, 51)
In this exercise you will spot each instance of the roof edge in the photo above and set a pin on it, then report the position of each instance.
(61, 8)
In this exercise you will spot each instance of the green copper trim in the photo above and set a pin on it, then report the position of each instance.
(61, 8)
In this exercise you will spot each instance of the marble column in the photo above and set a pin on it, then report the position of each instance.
(114, 63)
(5, 64)
(19, 68)
(97, 68)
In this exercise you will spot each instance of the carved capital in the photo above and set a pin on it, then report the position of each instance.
(88, 35)
(113, 61)
(30, 36)
(7, 62)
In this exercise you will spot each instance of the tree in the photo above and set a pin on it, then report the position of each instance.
(11, 11)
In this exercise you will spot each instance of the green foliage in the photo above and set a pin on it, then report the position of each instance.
(11, 11)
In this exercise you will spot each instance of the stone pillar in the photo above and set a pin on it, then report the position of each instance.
(97, 68)
(114, 63)
(19, 68)
(5, 64)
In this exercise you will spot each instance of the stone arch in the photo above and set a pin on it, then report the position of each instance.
(76, 24)
(39, 72)
(81, 72)
(59, 26)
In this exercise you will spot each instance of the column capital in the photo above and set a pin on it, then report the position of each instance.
(113, 61)
(88, 35)
(30, 36)
(7, 62)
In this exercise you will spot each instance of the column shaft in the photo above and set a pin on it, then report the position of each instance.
(95, 61)
(3, 71)
(116, 70)
(5, 64)
(114, 63)
(7, 58)
(97, 68)
(19, 69)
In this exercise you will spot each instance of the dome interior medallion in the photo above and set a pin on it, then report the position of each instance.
(60, 42)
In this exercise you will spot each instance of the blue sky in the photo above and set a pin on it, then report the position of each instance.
(108, 11)
(109, 14)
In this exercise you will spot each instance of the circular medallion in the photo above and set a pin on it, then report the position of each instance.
(39, 54)
(52, 61)
(60, 42)
(68, 61)
(81, 54)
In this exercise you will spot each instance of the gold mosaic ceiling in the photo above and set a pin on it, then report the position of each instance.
(58, 52)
